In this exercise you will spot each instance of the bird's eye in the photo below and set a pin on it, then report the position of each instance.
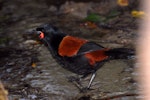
(41, 36)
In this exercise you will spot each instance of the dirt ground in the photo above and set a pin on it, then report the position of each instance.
(28, 72)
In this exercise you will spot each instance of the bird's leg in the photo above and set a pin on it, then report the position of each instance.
(91, 80)
(76, 81)
(73, 78)
(84, 89)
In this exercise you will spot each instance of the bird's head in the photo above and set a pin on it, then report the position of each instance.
(46, 34)
(46, 31)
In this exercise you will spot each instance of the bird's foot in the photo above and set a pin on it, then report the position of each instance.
(76, 81)
(85, 89)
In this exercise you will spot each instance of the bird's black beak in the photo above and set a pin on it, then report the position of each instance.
(38, 32)
(31, 34)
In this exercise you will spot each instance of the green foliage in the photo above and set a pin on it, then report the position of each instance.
(101, 18)
(94, 18)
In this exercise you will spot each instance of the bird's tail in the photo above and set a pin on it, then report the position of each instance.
(120, 53)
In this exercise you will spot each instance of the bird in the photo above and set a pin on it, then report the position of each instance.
(78, 55)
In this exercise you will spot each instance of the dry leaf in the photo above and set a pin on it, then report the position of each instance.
(3, 93)
(135, 13)
(123, 2)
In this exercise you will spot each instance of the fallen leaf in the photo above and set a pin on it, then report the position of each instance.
(3, 93)
(123, 2)
(135, 13)
(90, 25)
(33, 65)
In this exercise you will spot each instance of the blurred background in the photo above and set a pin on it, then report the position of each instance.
(27, 70)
